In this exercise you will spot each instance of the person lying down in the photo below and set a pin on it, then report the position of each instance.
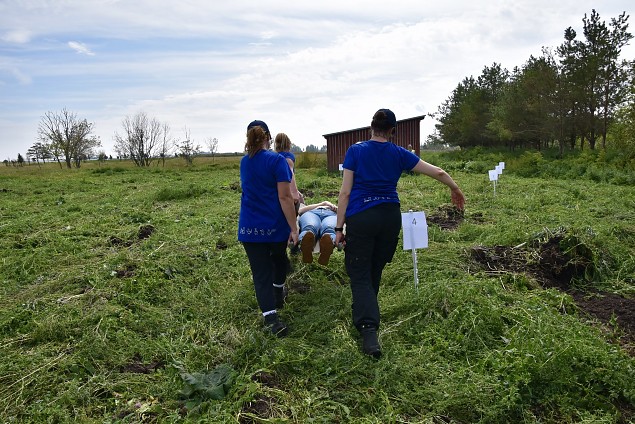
(317, 225)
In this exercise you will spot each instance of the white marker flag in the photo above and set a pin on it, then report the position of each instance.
(341, 167)
(502, 165)
(493, 175)
(415, 230)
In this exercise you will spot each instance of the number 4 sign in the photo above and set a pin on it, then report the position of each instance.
(415, 235)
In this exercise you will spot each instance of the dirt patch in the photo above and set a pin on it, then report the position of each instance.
(256, 410)
(145, 231)
(611, 309)
(117, 241)
(137, 366)
(447, 217)
(125, 272)
(559, 260)
(266, 379)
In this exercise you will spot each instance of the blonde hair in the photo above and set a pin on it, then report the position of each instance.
(282, 143)
(257, 139)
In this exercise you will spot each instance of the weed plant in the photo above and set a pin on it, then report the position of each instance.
(116, 282)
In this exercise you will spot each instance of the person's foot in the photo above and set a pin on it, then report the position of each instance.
(326, 249)
(370, 344)
(281, 294)
(306, 246)
(277, 327)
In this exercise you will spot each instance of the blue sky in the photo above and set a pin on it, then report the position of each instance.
(307, 70)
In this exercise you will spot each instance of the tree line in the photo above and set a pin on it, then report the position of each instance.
(65, 138)
(566, 98)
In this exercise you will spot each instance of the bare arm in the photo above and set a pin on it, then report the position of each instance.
(294, 187)
(286, 202)
(440, 175)
(342, 203)
(310, 207)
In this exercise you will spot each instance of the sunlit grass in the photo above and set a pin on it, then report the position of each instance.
(83, 296)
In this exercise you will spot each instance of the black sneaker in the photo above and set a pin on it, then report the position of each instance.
(277, 327)
(370, 344)
(281, 294)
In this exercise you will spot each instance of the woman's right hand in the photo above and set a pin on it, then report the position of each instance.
(340, 239)
(458, 198)
(293, 237)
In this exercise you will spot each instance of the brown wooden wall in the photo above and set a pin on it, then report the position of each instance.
(408, 132)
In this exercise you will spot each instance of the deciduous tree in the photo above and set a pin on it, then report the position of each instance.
(212, 146)
(143, 139)
(187, 148)
(67, 136)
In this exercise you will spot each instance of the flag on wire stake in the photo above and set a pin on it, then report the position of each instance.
(415, 235)
(493, 176)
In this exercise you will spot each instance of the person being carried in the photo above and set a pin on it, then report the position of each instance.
(317, 222)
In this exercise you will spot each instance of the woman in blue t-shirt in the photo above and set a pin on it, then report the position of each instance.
(369, 205)
(267, 221)
(282, 144)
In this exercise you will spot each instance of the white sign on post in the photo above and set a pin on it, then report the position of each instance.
(502, 165)
(415, 235)
(493, 176)
(415, 230)
(341, 167)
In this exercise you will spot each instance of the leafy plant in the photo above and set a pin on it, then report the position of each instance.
(214, 385)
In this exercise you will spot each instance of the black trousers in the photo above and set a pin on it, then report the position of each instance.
(371, 241)
(269, 264)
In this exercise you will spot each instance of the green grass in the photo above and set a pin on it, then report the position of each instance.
(83, 297)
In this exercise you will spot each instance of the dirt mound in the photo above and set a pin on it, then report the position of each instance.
(560, 260)
(447, 217)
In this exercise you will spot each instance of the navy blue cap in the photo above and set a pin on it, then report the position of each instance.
(260, 124)
(390, 117)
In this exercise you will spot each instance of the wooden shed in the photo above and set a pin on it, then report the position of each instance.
(408, 133)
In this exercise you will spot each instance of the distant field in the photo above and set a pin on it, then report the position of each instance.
(126, 297)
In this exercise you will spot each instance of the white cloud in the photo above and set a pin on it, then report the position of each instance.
(20, 36)
(80, 48)
(21, 77)
(307, 69)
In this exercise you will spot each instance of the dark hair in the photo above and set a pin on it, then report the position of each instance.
(383, 122)
(257, 139)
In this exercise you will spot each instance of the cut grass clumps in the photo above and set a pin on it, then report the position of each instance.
(114, 284)
(178, 193)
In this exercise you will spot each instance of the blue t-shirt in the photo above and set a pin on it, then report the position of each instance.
(261, 217)
(288, 155)
(377, 167)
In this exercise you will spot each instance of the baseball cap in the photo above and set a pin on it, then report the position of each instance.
(260, 124)
(390, 117)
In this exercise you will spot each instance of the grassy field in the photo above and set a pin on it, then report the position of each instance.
(125, 297)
